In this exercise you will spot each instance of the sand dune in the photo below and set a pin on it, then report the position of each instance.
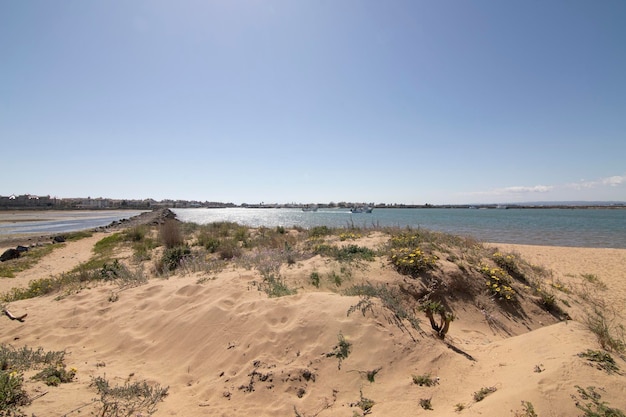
(225, 349)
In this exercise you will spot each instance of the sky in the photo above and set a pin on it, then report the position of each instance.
(281, 101)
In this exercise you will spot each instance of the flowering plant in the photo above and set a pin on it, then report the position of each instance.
(498, 282)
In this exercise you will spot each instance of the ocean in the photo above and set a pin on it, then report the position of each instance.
(574, 227)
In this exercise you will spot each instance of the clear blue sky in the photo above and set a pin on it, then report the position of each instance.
(314, 101)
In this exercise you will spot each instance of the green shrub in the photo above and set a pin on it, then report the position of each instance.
(12, 394)
(55, 375)
(483, 392)
(603, 360)
(129, 399)
(341, 350)
(210, 243)
(365, 404)
(425, 380)
(347, 253)
(435, 307)
(315, 279)
(390, 298)
(511, 264)
(426, 403)
(229, 249)
(610, 335)
(412, 261)
(172, 258)
(276, 287)
(319, 231)
(12, 363)
(529, 410)
(498, 282)
(136, 234)
(335, 278)
(589, 402)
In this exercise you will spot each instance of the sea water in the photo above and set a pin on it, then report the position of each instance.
(63, 221)
(597, 228)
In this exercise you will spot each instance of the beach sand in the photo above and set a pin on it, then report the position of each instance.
(225, 349)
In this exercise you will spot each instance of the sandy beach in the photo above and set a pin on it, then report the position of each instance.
(224, 348)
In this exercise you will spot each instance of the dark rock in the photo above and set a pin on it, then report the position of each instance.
(21, 248)
(9, 254)
(58, 239)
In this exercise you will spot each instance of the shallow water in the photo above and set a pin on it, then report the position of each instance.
(50, 222)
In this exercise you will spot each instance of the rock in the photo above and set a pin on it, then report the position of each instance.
(9, 254)
(58, 239)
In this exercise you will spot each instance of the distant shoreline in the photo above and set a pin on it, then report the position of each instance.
(615, 206)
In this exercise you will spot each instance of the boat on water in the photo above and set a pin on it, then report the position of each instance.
(309, 208)
(361, 209)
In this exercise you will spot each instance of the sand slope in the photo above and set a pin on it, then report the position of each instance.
(225, 349)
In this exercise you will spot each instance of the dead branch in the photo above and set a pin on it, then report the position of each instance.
(12, 317)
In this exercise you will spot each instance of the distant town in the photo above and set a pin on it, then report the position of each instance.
(35, 202)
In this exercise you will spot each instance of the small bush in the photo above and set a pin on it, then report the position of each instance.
(511, 264)
(229, 249)
(170, 234)
(589, 402)
(593, 279)
(26, 358)
(55, 375)
(12, 394)
(172, 258)
(426, 404)
(412, 261)
(136, 234)
(12, 363)
(128, 400)
(349, 236)
(528, 410)
(315, 279)
(371, 375)
(425, 380)
(610, 335)
(602, 360)
(365, 404)
(335, 278)
(498, 282)
(341, 350)
(390, 298)
(319, 231)
(350, 253)
(446, 317)
(275, 287)
(483, 392)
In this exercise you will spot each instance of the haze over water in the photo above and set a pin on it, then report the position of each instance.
(598, 228)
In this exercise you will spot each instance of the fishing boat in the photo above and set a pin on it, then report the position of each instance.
(361, 209)
(309, 208)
